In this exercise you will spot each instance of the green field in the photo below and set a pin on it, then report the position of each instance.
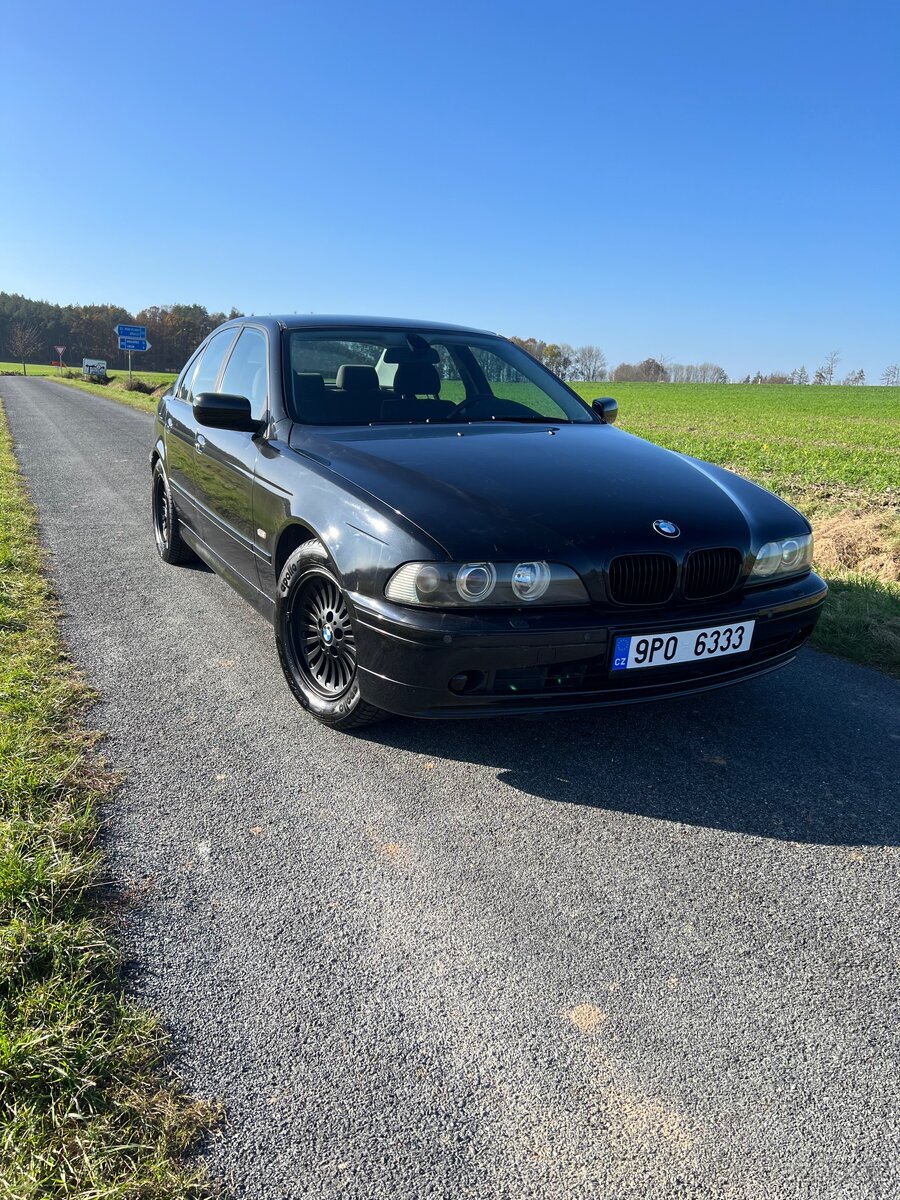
(827, 445)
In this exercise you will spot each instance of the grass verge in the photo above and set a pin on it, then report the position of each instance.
(861, 620)
(87, 1105)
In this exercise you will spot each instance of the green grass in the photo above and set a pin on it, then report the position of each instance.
(87, 1106)
(819, 443)
(861, 620)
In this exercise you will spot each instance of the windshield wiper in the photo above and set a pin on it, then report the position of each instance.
(533, 420)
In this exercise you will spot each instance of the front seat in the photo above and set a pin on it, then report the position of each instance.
(359, 392)
(413, 380)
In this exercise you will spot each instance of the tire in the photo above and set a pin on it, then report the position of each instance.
(170, 545)
(316, 641)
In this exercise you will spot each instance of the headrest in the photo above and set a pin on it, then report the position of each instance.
(352, 377)
(309, 396)
(308, 385)
(416, 379)
(404, 354)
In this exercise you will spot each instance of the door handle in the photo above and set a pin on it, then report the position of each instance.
(199, 443)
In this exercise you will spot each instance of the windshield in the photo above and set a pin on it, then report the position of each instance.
(385, 377)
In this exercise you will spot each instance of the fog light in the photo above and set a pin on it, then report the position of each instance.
(458, 682)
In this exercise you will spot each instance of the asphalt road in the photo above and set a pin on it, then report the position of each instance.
(650, 952)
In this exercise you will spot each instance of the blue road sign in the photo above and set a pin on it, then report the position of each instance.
(133, 343)
(131, 331)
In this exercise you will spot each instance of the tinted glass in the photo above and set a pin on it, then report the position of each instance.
(183, 390)
(210, 363)
(247, 374)
(421, 376)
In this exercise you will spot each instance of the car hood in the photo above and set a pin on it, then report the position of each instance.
(576, 495)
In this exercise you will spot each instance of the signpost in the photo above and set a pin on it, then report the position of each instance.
(60, 351)
(93, 366)
(132, 337)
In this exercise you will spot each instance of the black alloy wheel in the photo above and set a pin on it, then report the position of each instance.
(170, 545)
(316, 640)
(320, 627)
(161, 514)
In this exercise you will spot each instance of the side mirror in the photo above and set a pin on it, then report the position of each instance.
(220, 411)
(606, 409)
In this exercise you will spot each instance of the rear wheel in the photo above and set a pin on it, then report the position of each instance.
(166, 526)
(316, 641)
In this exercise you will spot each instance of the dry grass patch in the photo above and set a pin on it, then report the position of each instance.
(865, 542)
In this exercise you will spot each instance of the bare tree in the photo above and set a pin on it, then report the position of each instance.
(705, 372)
(890, 376)
(589, 364)
(24, 341)
(856, 378)
(825, 373)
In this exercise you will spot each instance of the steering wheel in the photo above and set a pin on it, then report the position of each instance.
(465, 405)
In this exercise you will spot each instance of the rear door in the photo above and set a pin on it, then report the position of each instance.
(179, 435)
(184, 436)
(225, 458)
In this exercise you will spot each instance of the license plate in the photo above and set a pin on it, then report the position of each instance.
(688, 645)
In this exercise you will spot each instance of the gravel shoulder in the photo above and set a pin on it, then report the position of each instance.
(650, 952)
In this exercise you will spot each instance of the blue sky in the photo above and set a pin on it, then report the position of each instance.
(698, 180)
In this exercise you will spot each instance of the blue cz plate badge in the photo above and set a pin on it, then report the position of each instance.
(687, 645)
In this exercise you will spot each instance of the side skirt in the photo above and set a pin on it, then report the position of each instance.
(263, 604)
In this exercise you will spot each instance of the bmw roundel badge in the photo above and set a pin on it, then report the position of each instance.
(666, 528)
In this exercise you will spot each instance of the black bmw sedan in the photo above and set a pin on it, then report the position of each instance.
(437, 526)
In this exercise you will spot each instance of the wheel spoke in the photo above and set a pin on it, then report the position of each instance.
(329, 663)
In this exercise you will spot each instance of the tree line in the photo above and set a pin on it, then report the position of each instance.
(30, 329)
(588, 364)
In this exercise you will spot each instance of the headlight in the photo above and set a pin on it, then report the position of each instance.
(455, 585)
(791, 556)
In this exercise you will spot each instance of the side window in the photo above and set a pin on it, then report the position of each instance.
(183, 390)
(247, 372)
(210, 363)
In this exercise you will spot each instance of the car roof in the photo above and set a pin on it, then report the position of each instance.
(341, 321)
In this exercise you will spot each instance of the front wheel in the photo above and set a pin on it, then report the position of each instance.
(317, 642)
(171, 546)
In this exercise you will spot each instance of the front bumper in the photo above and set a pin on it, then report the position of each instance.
(542, 661)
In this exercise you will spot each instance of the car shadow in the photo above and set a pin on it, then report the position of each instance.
(809, 754)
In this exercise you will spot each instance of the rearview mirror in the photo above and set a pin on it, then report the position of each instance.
(606, 409)
(220, 411)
